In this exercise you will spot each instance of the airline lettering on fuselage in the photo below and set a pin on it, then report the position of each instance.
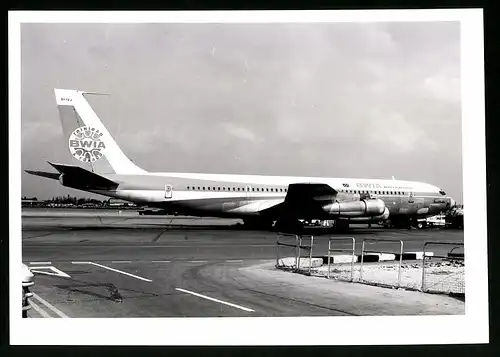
(377, 186)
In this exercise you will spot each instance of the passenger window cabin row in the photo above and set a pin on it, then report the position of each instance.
(227, 188)
(401, 193)
(273, 189)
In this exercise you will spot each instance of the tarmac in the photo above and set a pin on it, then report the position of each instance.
(93, 263)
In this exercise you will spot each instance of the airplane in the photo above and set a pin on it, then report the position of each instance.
(260, 201)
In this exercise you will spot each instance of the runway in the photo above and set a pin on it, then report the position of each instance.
(111, 264)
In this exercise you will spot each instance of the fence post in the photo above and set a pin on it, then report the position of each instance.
(362, 256)
(329, 247)
(352, 260)
(311, 255)
(423, 265)
(277, 251)
(299, 238)
(400, 263)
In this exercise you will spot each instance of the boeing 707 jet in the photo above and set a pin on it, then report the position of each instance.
(104, 169)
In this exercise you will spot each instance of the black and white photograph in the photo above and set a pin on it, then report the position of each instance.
(244, 177)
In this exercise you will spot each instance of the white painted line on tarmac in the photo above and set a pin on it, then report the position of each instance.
(160, 261)
(216, 300)
(119, 271)
(121, 261)
(234, 261)
(198, 261)
(80, 262)
(50, 306)
(40, 263)
(39, 309)
(56, 272)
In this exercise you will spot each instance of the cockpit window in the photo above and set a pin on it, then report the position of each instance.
(442, 192)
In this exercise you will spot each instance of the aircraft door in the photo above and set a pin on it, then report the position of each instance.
(248, 189)
(168, 191)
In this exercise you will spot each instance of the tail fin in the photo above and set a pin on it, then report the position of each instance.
(88, 139)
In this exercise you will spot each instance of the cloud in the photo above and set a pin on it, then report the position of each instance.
(397, 134)
(239, 132)
(443, 87)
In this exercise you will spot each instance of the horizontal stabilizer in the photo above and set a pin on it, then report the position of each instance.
(51, 175)
(78, 177)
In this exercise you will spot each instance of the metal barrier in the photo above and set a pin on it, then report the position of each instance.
(307, 247)
(449, 282)
(341, 250)
(363, 251)
(298, 246)
(278, 244)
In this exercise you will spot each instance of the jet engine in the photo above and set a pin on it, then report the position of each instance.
(363, 208)
(383, 217)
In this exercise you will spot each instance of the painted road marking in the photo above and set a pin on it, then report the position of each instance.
(216, 300)
(198, 261)
(56, 272)
(160, 261)
(39, 309)
(50, 306)
(40, 263)
(115, 270)
(234, 261)
(121, 261)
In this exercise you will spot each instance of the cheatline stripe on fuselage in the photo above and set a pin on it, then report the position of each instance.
(154, 180)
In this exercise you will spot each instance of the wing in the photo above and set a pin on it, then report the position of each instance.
(304, 200)
(312, 193)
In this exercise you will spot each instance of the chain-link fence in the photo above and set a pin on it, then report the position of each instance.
(444, 273)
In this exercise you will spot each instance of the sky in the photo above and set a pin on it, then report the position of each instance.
(354, 100)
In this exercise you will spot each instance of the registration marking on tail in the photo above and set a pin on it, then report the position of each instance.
(213, 299)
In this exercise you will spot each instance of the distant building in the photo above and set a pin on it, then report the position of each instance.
(29, 202)
(115, 202)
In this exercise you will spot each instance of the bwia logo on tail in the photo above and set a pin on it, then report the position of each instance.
(85, 144)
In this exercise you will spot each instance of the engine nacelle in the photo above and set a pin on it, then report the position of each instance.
(383, 217)
(361, 208)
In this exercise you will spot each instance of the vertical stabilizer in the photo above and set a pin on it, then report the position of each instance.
(88, 139)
